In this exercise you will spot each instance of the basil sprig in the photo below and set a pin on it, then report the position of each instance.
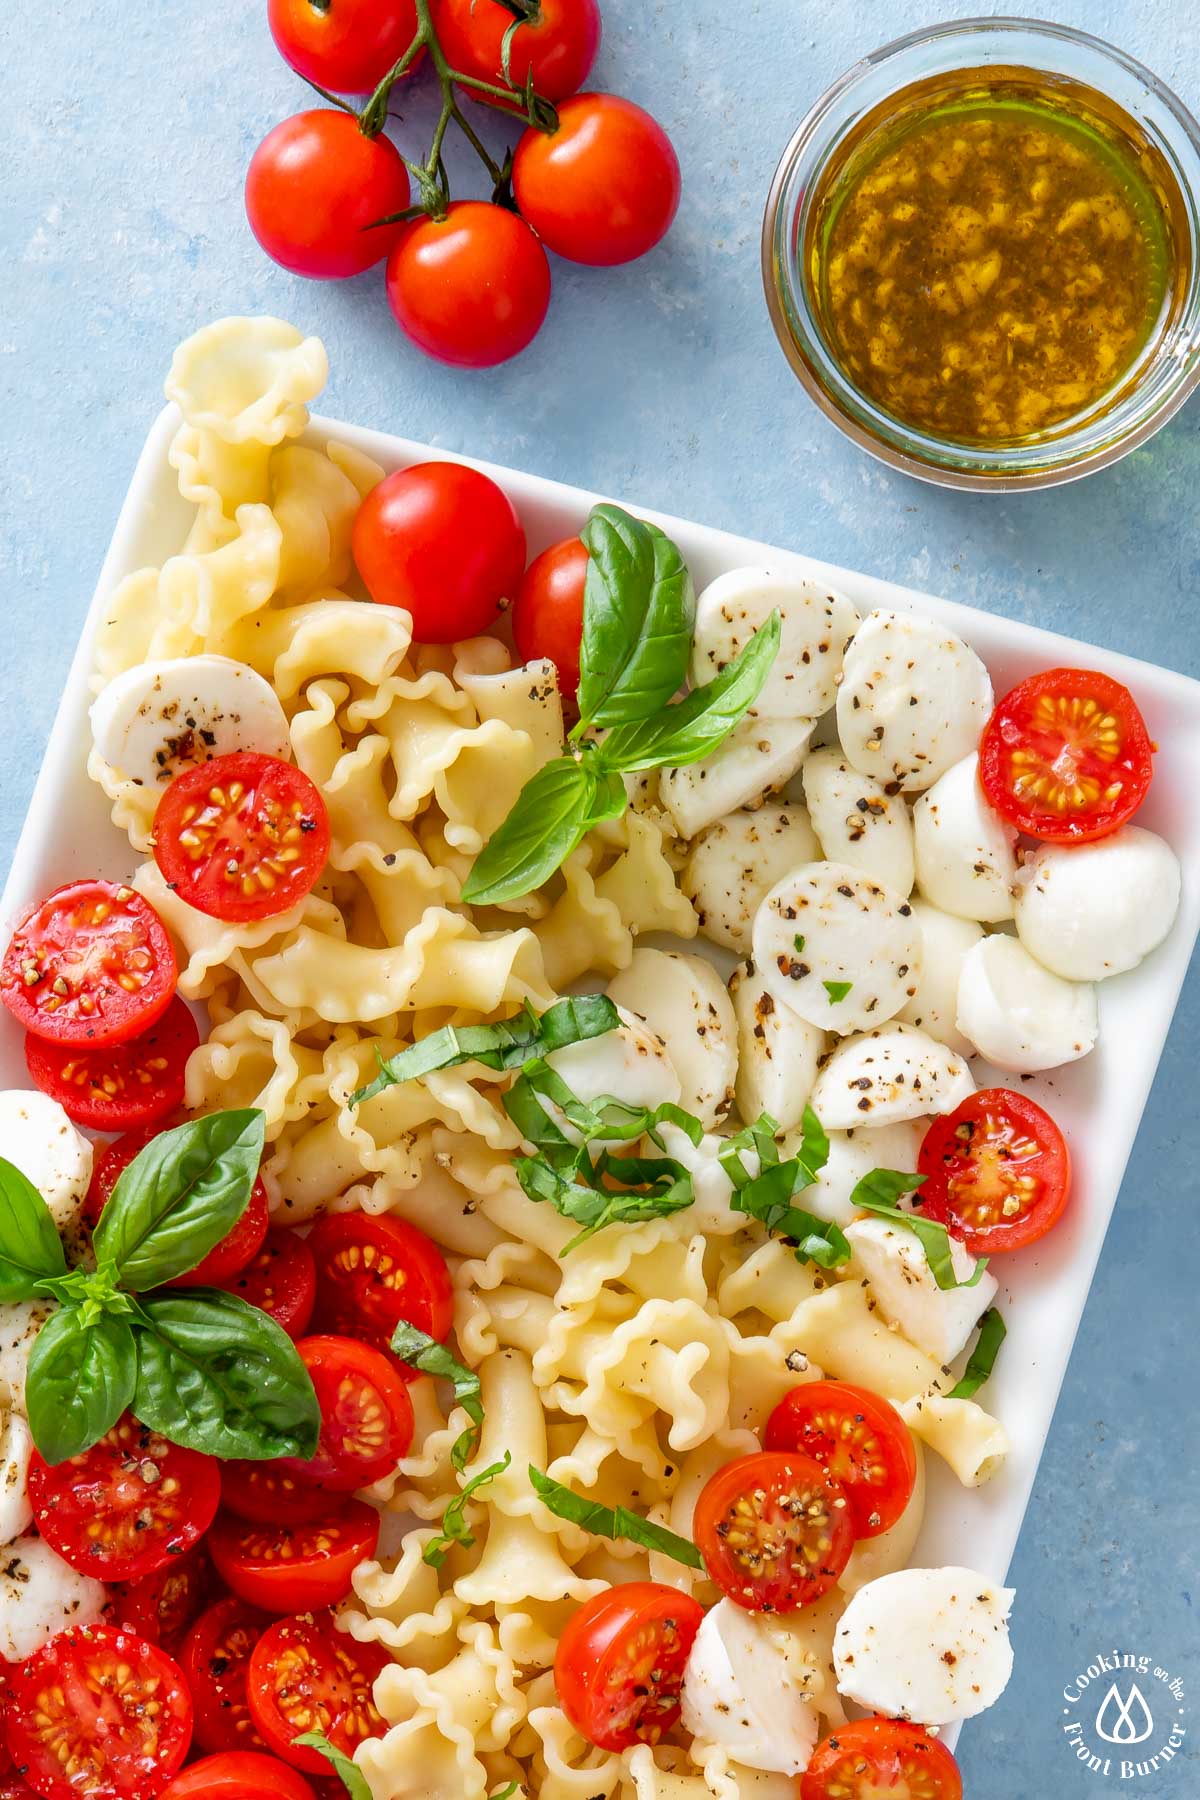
(878, 1192)
(982, 1360)
(351, 1776)
(613, 1522)
(638, 614)
(768, 1195)
(197, 1365)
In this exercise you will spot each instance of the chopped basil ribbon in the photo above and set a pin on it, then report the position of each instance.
(614, 1522)
(512, 1787)
(878, 1192)
(767, 1196)
(352, 1777)
(837, 990)
(455, 1529)
(982, 1360)
(197, 1365)
(414, 1346)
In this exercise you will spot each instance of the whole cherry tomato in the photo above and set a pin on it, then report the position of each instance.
(556, 43)
(346, 45)
(547, 618)
(604, 187)
(471, 289)
(315, 190)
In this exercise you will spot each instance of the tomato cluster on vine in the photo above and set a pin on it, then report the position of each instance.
(592, 176)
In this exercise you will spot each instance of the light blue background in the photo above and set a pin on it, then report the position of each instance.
(126, 131)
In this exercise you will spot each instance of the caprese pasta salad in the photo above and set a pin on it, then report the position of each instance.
(449, 1347)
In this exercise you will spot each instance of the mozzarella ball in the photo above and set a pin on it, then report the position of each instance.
(885, 1076)
(40, 1595)
(629, 1064)
(892, 1260)
(16, 1448)
(965, 851)
(160, 717)
(750, 1687)
(815, 628)
(737, 861)
(20, 1322)
(683, 1001)
(778, 1053)
(853, 1154)
(1019, 1015)
(858, 821)
(945, 941)
(710, 1213)
(1088, 911)
(39, 1139)
(913, 700)
(837, 947)
(930, 1645)
(758, 756)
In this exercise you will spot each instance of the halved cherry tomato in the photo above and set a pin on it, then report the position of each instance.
(316, 191)
(264, 1494)
(13, 1788)
(547, 615)
(239, 1775)
(1066, 756)
(120, 1086)
(366, 1414)
(346, 45)
(444, 542)
(90, 965)
(294, 1568)
(163, 1607)
(227, 1258)
(280, 1279)
(556, 43)
(870, 1758)
(604, 186)
(242, 837)
(859, 1438)
(775, 1530)
(374, 1271)
(306, 1675)
(215, 1659)
(471, 288)
(99, 1712)
(619, 1664)
(997, 1171)
(126, 1507)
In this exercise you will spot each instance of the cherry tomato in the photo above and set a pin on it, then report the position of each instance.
(557, 44)
(472, 289)
(1066, 756)
(294, 1568)
(775, 1530)
(374, 1272)
(997, 1171)
(306, 1675)
(547, 618)
(13, 1788)
(126, 1507)
(163, 1607)
(366, 1414)
(215, 1659)
(619, 1664)
(242, 837)
(316, 190)
(265, 1494)
(280, 1279)
(870, 1758)
(99, 1712)
(604, 187)
(859, 1438)
(345, 45)
(119, 1086)
(90, 965)
(444, 542)
(239, 1775)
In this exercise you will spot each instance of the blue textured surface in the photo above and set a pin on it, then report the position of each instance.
(127, 131)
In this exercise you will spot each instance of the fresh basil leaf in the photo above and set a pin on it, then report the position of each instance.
(550, 816)
(455, 1529)
(878, 1192)
(80, 1380)
(982, 1360)
(655, 1187)
(352, 1777)
(416, 1347)
(814, 1142)
(698, 725)
(30, 1247)
(768, 1195)
(511, 1787)
(218, 1375)
(610, 799)
(837, 990)
(179, 1197)
(605, 1117)
(639, 609)
(614, 1522)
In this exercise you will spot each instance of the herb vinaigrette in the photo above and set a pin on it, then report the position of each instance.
(992, 253)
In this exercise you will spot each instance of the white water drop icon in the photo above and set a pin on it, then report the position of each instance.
(1124, 1721)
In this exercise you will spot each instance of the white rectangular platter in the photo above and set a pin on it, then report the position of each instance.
(1098, 1101)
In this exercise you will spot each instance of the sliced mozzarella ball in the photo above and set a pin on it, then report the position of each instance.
(16, 1448)
(40, 1595)
(758, 756)
(945, 941)
(816, 627)
(965, 859)
(884, 1076)
(778, 1052)
(853, 1154)
(683, 1001)
(929, 1645)
(937, 1320)
(1098, 909)
(828, 925)
(749, 1688)
(734, 865)
(20, 1322)
(161, 717)
(1019, 1015)
(629, 1064)
(858, 821)
(37, 1136)
(710, 1213)
(913, 700)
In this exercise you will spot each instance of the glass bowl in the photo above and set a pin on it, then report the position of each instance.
(1167, 370)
